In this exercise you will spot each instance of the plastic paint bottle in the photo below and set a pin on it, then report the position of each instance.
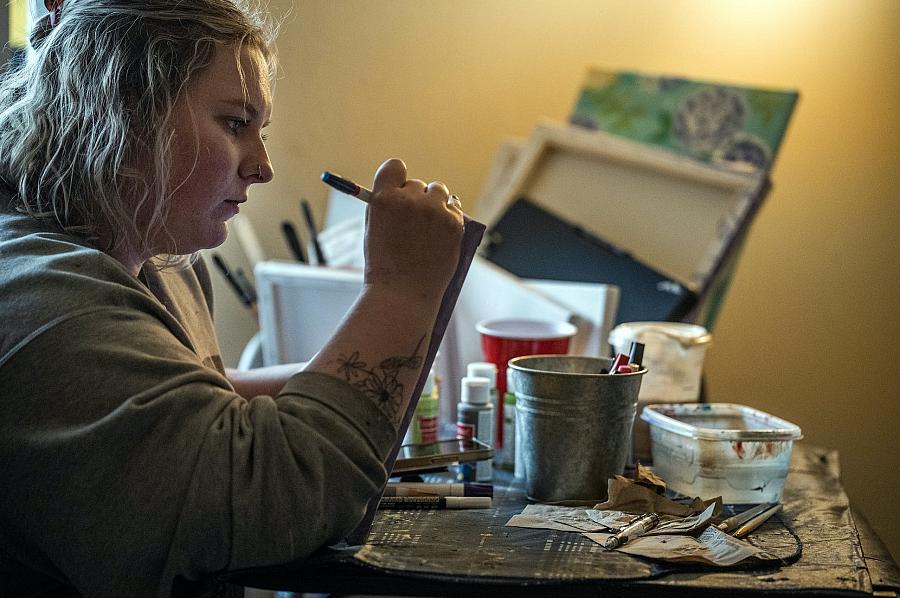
(475, 419)
(484, 369)
(424, 424)
(506, 456)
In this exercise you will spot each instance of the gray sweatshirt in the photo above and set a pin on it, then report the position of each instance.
(128, 464)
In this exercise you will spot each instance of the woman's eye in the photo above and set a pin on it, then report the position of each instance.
(236, 124)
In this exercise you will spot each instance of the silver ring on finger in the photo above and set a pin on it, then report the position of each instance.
(454, 201)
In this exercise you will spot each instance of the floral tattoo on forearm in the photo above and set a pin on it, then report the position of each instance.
(380, 383)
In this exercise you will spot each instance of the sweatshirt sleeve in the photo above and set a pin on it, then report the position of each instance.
(133, 468)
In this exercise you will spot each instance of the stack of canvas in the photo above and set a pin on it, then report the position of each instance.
(663, 173)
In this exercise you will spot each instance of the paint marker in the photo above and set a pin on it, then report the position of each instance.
(243, 295)
(350, 188)
(293, 241)
(435, 502)
(426, 489)
(246, 284)
(346, 186)
(636, 353)
(621, 359)
(636, 528)
(313, 235)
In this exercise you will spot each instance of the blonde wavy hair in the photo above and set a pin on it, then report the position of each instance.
(84, 121)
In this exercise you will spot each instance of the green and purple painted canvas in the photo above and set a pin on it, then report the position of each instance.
(732, 126)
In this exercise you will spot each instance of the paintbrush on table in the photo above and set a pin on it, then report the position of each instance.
(743, 523)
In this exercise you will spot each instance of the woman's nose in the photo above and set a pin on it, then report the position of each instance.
(265, 172)
(259, 171)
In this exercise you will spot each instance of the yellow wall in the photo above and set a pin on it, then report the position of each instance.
(810, 325)
(18, 23)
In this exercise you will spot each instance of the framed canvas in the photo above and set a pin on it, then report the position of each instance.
(534, 243)
(729, 125)
(300, 307)
(676, 214)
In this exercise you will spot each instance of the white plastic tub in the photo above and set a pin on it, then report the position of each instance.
(720, 449)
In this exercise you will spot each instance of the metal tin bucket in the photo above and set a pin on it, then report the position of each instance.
(574, 424)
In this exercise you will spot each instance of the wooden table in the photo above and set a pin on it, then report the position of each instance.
(828, 549)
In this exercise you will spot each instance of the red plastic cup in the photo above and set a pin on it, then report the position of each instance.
(505, 338)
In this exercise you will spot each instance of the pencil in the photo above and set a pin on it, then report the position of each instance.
(735, 521)
(756, 521)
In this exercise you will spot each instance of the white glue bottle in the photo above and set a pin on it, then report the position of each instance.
(475, 419)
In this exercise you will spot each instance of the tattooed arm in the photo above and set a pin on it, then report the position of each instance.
(412, 247)
(384, 359)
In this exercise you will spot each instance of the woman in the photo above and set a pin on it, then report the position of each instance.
(131, 464)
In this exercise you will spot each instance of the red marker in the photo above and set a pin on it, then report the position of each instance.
(621, 359)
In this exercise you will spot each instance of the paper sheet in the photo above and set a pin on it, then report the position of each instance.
(712, 547)
(616, 520)
(683, 536)
(566, 519)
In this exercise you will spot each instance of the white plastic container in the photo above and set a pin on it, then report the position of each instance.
(720, 449)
